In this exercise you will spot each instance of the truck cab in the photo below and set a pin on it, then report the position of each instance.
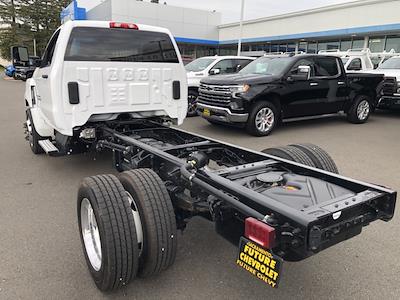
(96, 71)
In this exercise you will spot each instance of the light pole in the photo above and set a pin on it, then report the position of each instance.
(241, 29)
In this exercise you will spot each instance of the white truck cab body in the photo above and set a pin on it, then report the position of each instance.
(354, 60)
(93, 71)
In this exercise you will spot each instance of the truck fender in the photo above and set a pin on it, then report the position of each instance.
(41, 126)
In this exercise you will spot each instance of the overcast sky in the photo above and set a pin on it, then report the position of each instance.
(231, 8)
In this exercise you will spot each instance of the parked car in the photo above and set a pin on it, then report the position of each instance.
(269, 90)
(210, 65)
(24, 72)
(9, 71)
(391, 90)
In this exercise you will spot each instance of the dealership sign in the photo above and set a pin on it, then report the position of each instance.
(73, 12)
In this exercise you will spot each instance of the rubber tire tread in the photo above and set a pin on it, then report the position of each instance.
(158, 220)
(250, 125)
(36, 137)
(120, 252)
(352, 113)
(290, 153)
(319, 156)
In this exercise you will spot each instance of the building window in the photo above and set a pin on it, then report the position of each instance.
(303, 47)
(376, 44)
(345, 45)
(291, 47)
(274, 48)
(283, 48)
(312, 47)
(358, 44)
(328, 45)
(393, 43)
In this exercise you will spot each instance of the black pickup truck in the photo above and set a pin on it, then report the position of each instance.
(269, 90)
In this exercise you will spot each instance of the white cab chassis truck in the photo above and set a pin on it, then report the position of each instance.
(96, 71)
(112, 86)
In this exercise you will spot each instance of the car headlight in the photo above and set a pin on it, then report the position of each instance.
(239, 89)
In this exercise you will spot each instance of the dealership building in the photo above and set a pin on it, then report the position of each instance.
(373, 24)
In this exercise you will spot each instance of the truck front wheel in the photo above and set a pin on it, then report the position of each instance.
(262, 120)
(32, 136)
(360, 111)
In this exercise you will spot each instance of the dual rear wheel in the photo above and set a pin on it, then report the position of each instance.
(127, 227)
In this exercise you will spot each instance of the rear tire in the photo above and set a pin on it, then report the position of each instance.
(33, 136)
(262, 120)
(290, 153)
(360, 111)
(192, 103)
(104, 212)
(158, 219)
(321, 159)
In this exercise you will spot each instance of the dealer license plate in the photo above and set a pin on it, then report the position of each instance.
(259, 262)
(206, 112)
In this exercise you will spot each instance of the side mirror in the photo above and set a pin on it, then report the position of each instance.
(19, 55)
(215, 71)
(38, 63)
(303, 73)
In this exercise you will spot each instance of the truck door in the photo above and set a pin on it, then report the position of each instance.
(303, 97)
(331, 80)
(42, 77)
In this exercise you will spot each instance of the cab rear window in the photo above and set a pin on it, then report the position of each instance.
(120, 45)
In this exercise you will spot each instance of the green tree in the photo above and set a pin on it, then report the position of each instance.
(28, 20)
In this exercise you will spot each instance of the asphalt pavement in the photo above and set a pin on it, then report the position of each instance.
(41, 256)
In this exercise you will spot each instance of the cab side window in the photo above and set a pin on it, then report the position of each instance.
(226, 66)
(355, 65)
(241, 63)
(49, 52)
(326, 67)
(303, 62)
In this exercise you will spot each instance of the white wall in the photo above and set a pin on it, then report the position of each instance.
(355, 14)
(183, 22)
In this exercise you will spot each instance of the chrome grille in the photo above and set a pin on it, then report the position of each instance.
(214, 94)
(389, 86)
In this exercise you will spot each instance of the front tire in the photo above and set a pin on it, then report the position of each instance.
(192, 103)
(262, 120)
(107, 231)
(360, 111)
(32, 135)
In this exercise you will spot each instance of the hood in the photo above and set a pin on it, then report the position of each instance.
(386, 72)
(233, 79)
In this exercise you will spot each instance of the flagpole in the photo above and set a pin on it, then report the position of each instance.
(241, 29)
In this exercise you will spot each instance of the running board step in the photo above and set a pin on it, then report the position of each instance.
(48, 146)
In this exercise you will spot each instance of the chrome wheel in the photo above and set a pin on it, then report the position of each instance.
(138, 222)
(265, 119)
(91, 234)
(363, 110)
(192, 104)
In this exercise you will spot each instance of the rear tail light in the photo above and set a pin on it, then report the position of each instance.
(259, 232)
(123, 25)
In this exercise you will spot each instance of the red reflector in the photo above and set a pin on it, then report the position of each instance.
(259, 232)
(123, 25)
